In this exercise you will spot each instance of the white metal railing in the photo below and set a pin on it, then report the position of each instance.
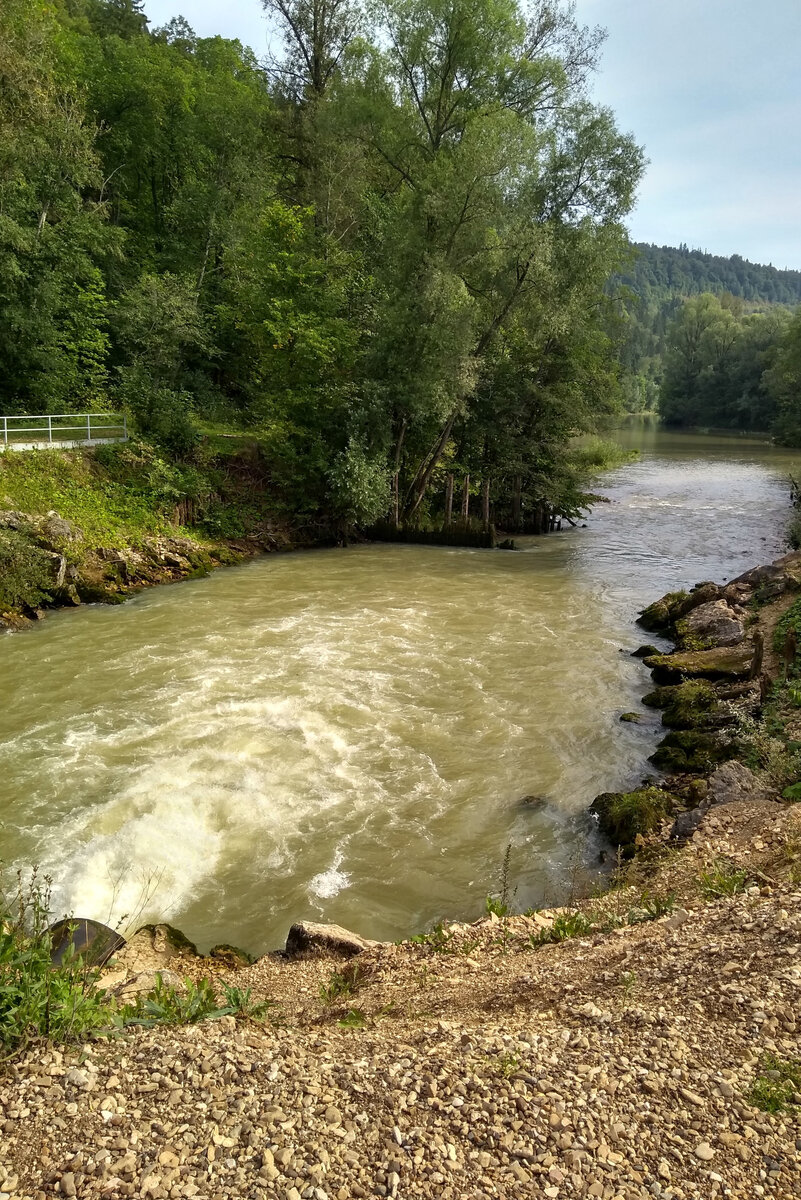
(31, 432)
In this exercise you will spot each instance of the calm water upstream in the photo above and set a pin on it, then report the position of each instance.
(347, 735)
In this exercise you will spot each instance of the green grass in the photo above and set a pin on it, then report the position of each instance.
(778, 1087)
(723, 879)
(564, 927)
(341, 983)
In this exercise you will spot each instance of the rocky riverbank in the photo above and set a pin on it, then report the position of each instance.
(70, 570)
(84, 527)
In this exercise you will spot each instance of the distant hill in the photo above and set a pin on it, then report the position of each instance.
(659, 279)
(661, 271)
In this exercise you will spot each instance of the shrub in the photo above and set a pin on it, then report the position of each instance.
(36, 998)
(26, 572)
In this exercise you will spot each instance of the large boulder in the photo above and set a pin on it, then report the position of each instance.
(660, 616)
(311, 938)
(733, 783)
(714, 622)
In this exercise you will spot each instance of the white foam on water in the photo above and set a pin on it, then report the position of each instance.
(330, 883)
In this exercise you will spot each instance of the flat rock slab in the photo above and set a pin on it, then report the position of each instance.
(309, 937)
(722, 662)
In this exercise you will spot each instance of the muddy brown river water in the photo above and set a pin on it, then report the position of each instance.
(347, 735)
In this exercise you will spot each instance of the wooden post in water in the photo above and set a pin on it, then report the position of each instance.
(485, 502)
(448, 502)
(466, 498)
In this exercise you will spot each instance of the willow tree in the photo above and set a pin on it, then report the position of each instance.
(489, 152)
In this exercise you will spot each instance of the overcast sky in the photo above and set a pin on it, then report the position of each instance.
(710, 88)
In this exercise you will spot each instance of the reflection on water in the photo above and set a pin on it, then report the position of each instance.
(347, 735)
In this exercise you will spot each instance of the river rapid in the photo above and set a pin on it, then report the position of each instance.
(348, 735)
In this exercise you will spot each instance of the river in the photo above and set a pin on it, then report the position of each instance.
(348, 735)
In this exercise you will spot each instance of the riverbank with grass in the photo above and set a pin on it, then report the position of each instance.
(98, 525)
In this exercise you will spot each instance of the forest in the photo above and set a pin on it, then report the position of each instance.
(711, 341)
(383, 255)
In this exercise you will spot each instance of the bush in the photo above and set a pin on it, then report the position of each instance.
(37, 999)
(26, 572)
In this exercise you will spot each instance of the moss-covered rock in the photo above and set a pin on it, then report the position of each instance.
(723, 662)
(231, 956)
(623, 816)
(631, 718)
(645, 651)
(689, 750)
(659, 616)
(690, 705)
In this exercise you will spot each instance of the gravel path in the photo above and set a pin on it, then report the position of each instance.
(615, 1066)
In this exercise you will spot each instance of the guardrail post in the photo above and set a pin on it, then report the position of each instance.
(49, 428)
(88, 427)
(5, 431)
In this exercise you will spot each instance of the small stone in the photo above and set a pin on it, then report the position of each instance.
(704, 1151)
(68, 1184)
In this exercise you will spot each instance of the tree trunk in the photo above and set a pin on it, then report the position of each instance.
(466, 498)
(396, 476)
(448, 502)
(517, 502)
(417, 490)
(485, 503)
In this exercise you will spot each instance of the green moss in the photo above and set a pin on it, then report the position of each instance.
(688, 750)
(26, 573)
(659, 615)
(689, 704)
(631, 718)
(689, 640)
(623, 816)
(724, 661)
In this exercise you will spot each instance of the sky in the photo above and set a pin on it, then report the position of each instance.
(710, 88)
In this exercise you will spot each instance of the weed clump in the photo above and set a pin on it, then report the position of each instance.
(37, 999)
(778, 1087)
(723, 878)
